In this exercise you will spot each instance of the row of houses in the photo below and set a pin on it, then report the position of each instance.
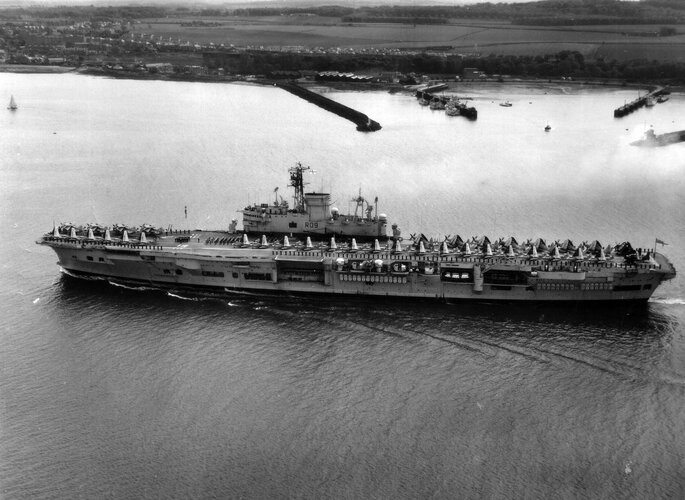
(37, 60)
(334, 76)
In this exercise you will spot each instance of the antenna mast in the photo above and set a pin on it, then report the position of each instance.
(297, 182)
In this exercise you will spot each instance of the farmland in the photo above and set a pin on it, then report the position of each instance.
(603, 39)
(484, 37)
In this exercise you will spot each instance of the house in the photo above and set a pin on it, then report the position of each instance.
(472, 73)
(160, 67)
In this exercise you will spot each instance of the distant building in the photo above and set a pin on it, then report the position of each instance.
(391, 77)
(161, 67)
(284, 75)
(472, 74)
(334, 76)
(195, 70)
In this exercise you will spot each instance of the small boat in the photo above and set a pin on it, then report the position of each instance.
(13, 104)
(650, 101)
(437, 103)
(662, 98)
(452, 110)
(506, 104)
(548, 128)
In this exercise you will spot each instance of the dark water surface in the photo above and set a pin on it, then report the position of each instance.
(113, 392)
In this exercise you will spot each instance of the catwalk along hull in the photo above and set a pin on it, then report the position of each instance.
(203, 262)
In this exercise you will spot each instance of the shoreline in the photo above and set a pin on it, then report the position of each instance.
(390, 87)
(38, 69)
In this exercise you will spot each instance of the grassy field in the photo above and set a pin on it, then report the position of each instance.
(471, 36)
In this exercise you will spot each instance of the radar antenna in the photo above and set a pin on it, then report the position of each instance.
(297, 182)
(359, 200)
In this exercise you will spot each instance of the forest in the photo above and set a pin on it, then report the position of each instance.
(565, 63)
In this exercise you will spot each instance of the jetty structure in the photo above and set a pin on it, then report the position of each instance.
(640, 102)
(427, 95)
(363, 122)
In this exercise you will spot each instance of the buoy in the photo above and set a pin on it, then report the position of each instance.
(125, 236)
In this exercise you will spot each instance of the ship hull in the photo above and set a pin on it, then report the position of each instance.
(661, 140)
(220, 269)
(212, 291)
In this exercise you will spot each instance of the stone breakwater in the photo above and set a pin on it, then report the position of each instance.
(363, 122)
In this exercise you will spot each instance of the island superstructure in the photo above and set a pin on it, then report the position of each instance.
(313, 215)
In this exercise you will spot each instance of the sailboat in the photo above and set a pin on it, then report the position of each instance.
(13, 104)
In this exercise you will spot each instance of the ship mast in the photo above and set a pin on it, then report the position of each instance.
(297, 182)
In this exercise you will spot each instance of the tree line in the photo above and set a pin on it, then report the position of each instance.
(564, 63)
(545, 12)
(548, 12)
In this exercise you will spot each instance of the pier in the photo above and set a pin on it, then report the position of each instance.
(363, 122)
(431, 89)
(628, 108)
(469, 112)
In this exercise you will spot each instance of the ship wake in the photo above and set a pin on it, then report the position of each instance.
(668, 301)
(130, 287)
(81, 276)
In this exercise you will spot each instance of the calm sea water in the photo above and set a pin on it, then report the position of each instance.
(119, 393)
